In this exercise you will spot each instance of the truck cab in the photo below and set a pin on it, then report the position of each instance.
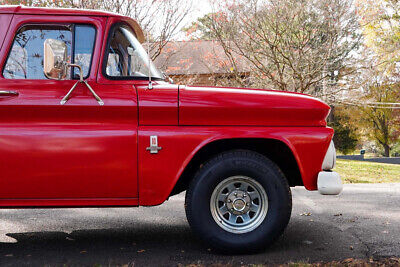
(86, 119)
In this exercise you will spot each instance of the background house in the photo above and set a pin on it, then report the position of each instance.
(201, 62)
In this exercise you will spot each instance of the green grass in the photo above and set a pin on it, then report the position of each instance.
(353, 171)
(350, 262)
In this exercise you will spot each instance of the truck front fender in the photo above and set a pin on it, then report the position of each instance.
(159, 172)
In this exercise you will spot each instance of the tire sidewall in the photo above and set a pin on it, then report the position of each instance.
(269, 177)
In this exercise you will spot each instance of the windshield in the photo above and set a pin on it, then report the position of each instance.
(127, 57)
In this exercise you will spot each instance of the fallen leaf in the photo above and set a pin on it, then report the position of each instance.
(306, 214)
(83, 251)
(338, 214)
(351, 247)
(348, 260)
(142, 250)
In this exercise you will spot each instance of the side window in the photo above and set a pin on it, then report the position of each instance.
(83, 48)
(114, 64)
(119, 59)
(25, 60)
(125, 56)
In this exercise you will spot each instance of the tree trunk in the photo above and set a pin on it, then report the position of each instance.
(331, 116)
(387, 150)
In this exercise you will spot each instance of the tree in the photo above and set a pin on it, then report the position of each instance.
(201, 28)
(383, 123)
(290, 45)
(346, 134)
(161, 18)
(381, 100)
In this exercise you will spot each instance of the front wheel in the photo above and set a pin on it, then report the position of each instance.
(239, 202)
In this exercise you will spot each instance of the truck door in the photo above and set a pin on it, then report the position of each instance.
(126, 65)
(78, 153)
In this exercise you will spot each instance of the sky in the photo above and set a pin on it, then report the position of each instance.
(200, 8)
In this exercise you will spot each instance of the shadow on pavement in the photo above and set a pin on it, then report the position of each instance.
(149, 244)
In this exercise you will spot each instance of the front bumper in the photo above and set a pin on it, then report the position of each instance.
(329, 183)
(330, 158)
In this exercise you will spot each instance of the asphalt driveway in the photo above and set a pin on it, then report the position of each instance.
(363, 222)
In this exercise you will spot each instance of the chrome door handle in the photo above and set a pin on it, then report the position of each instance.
(8, 93)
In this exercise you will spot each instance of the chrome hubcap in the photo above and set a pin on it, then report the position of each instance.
(239, 204)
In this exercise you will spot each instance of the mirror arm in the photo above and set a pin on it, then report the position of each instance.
(66, 97)
(80, 71)
(81, 80)
(99, 100)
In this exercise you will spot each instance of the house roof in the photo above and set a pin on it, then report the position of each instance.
(197, 57)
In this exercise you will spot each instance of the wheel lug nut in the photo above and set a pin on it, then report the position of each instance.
(235, 194)
(229, 200)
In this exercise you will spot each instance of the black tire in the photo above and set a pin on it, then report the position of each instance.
(218, 169)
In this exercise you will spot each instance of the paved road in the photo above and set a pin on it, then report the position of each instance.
(363, 222)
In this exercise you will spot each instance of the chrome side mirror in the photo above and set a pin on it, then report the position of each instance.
(55, 59)
(55, 66)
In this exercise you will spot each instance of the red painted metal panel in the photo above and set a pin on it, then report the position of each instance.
(158, 173)
(82, 154)
(5, 20)
(249, 107)
(54, 11)
(86, 202)
(158, 106)
(9, 9)
(78, 150)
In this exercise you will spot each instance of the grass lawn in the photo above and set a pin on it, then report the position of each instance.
(353, 171)
(384, 262)
(350, 262)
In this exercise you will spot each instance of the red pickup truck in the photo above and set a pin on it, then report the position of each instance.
(87, 120)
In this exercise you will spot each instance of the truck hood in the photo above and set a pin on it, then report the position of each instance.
(251, 107)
